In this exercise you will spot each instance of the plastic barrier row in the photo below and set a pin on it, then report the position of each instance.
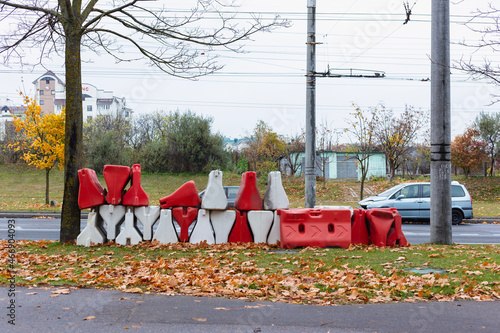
(185, 224)
(340, 227)
(184, 217)
(92, 194)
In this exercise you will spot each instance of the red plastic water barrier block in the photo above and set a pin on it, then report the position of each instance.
(385, 227)
(136, 196)
(185, 216)
(116, 177)
(241, 230)
(315, 227)
(90, 193)
(248, 197)
(359, 230)
(396, 236)
(185, 196)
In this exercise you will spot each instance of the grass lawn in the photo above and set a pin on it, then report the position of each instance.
(329, 276)
(23, 188)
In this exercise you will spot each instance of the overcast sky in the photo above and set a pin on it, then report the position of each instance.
(267, 81)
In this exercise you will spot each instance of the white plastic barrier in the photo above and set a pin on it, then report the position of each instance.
(148, 217)
(275, 196)
(222, 222)
(260, 222)
(214, 197)
(274, 234)
(165, 233)
(202, 231)
(113, 216)
(129, 234)
(92, 234)
(336, 207)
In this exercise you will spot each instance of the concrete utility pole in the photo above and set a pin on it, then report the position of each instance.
(440, 124)
(310, 170)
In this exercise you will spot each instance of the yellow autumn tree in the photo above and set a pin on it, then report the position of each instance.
(42, 139)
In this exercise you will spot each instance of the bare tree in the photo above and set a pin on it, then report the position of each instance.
(361, 134)
(292, 157)
(170, 42)
(396, 135)
(324, 148)
(487, 23)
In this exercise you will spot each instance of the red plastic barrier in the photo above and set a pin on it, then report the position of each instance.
(359, 232)
(396, 236)
(136, 196)
(90, 193)
(315, 227)
(248, 197)
(185, 216)
(241, 230)
(185, 196)
(385, 227)
(116, 177)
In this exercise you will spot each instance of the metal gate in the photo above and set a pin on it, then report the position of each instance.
(346, 167)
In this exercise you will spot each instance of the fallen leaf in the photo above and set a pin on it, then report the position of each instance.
(89, 318)
(199, 319)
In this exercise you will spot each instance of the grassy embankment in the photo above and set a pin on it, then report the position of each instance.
(23, 188)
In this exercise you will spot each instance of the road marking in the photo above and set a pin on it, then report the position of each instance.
(44, 230)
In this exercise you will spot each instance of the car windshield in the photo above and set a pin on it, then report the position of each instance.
(390, 191)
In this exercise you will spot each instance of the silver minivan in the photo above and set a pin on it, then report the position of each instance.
(413, 201)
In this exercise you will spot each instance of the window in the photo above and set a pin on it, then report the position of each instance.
(41, 92)
(410, 191)
(53, 92)
(426, 191)
(457, 191)
(47, 81)
(89, 108)
(42, 102)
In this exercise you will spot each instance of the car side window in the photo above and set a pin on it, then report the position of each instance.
(426, 191)
(457, 191)
(409, 192)
(232, 192)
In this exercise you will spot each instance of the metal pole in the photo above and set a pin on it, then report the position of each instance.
(309, 172)
(440, 227)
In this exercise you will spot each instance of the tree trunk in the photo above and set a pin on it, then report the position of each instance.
(70, 218)
(47, 180)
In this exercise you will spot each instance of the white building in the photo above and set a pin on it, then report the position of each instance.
(51, 95)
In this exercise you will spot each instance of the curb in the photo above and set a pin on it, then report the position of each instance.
(35, 214)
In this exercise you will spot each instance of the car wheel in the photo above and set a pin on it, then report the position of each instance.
(456, 216)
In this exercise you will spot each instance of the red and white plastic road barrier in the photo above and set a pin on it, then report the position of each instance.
(315, 227)
(116, 177)
(129, 235)
(202, 231)
(135, 195)
(241, 231)
(385, 227)
(359, 228)
(222, 222)
(248, 197)
(214, 197)
(165, 233)
(90, 192)
(254, 220)
(184, 196)
(93, 233)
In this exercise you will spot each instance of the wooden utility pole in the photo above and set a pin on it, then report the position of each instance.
(440, 227)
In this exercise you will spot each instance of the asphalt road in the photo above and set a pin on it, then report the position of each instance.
(36, 229)
(93, 310)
